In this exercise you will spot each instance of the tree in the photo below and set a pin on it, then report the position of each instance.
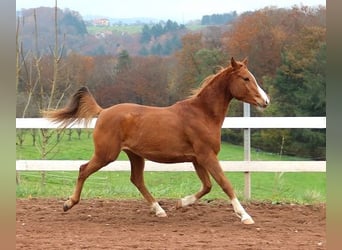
(157, 49)
(44, 92)
(208, 62)
(256, 36)
(171, 26)
(302, 75)
(139, 83)
(187, 66)
(72, 23)
(75, 71)
(157, 30)
(146, 34)
(299, 90)
(218, 19)
(143, 51)
(124, 61)
(262, 35)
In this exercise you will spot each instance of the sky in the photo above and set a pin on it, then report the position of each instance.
(176, 10)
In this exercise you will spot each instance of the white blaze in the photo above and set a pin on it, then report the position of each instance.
(261, 91)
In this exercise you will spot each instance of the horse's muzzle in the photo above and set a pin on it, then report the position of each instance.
(263, 103)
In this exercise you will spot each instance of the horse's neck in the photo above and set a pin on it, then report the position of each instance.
(214, 101)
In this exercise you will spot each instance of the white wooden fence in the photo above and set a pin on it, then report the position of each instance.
(246, 166)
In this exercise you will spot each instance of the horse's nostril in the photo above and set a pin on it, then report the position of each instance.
(267, 101)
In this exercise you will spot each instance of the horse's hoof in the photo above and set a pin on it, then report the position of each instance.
(248, 221)
(158, 210)
(161, 214)
(67, 205)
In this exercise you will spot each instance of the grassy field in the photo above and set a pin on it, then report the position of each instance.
(274, 187)
(130, 29)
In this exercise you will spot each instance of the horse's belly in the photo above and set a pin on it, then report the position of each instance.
(168, 158)
(161, 149)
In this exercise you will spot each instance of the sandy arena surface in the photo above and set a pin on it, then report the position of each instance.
(128, 224)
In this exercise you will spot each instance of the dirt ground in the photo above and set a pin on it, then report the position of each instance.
(128, 224)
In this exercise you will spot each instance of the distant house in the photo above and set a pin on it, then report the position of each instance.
(101, 22)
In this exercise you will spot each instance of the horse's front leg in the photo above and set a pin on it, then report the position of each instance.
(206, 187)
(241, 213)
(213, 166)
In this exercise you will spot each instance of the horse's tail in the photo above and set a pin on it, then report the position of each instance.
(81, 106)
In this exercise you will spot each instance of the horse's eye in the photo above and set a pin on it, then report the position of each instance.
(246, 79)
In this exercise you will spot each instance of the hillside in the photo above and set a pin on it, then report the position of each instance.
(102, 36)
(89, 38)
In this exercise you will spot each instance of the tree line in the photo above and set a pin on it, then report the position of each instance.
(158, 29)
(219, 19)
(286, 50)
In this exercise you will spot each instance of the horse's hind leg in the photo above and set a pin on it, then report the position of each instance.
(206, 187)
(84, 172)
(137, 178)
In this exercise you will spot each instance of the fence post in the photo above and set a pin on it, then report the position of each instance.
(247, 150)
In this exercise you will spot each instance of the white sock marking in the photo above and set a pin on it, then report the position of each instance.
(158, 210)
(188, 200)
(239, 210)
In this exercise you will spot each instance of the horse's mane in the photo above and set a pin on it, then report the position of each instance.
(210, 79)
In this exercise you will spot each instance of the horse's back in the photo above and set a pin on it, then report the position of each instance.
(136, 114)
(134, 119)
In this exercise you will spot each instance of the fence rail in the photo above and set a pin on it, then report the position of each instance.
(246, 166)
(318, 122)
(231, 166)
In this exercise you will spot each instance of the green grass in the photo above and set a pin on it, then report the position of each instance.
(273, 187)
(130, 29)
(289, 187)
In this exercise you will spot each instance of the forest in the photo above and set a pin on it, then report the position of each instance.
(164, 62)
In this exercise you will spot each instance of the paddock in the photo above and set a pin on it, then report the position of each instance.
(127, 224)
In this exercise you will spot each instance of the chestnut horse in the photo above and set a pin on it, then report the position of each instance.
(187, 131)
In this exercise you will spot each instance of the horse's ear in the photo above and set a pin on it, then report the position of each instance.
(245, 61)
(233, 62)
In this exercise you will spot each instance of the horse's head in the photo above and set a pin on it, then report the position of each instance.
(244, 86)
